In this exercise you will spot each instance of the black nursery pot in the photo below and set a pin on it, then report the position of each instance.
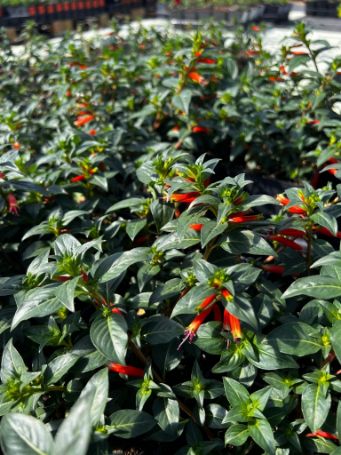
(277, 13)
(321, 8)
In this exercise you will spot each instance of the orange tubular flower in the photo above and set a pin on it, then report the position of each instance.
(294, 209)
(313, 122)
(78, 178)
(125, 369)
(255, 28)
(196, 227)
(327, 232)
(251, 53)
(298, 52)
(322, 434)
(286, 242)
(282, 199)
(185, 197)
(292, 232)
(83, 120)
(92, 132)
(208, 61)
(12, 204)
(62, 278)
(273, 268)
(116, 311)
(275, 79)
(206, 302)
(227, 294)
(192, 329)
(243, 218)
(196, 77)
(200, 129)
(232, 323)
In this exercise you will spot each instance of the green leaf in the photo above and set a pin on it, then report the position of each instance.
(182, 101)
(315, 405)
(325, 220)
(73, 435)
(65, 293)
(12, 363)
(133, 227)
(126, 203)
(209, 339)
(335, 338)
(37, 303)
(296, 338)
(270, 358)
(236, 393)
(21, 434)
(333, 258)
(167, 290)
(261, 433)
(160, 329)
(128, 423)
(247, 242)
(66, 244)
(319, 287)
(236, 435)
(59, 366)
(210, 231)
(99, 382)
(124, 261)
(109, 336)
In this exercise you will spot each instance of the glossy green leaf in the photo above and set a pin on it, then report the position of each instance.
(22, 434)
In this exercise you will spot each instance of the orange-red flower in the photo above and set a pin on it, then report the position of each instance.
(78, 178)
(286, 242)
(206, 302)
(313, 122)
(326, 231)
(292, 232)
(298, 52)
(255, 28)
(322, 434)
(243, 218)
(232, 323)
(275, 79)
(116, 310)
(196, 227)
(293, 209)
(16, 145)
(208, 61)
(83, 120)
(251, 53)
(184, 197)
(126, 369)
(193, 327)
(12, 204)
(200, 129)
(282, 199)
(273, 268)
(196, 77)
(92, 132)
(227, 294)
(62, 278)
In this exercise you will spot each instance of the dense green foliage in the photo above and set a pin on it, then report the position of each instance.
(129, 218)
